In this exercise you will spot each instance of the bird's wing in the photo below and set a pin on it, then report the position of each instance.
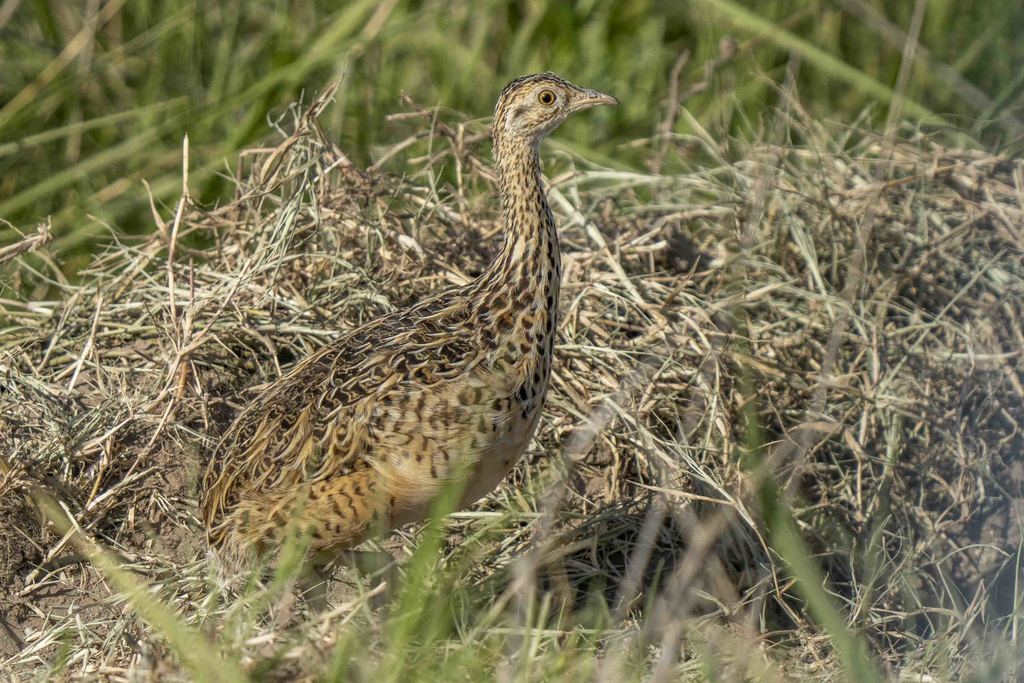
(323, 418)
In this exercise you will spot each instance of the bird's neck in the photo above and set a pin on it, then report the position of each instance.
(529, 261)
(517, 296)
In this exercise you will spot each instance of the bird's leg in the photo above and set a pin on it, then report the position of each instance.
(373, 571)
(314, 583)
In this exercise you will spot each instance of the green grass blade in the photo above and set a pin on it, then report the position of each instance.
(748, 21)
(195, 650)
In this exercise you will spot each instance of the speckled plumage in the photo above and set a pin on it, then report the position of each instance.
(359, 437)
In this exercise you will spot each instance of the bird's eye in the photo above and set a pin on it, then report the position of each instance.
(546, 97)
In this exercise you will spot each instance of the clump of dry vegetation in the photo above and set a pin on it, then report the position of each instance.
(783, 438)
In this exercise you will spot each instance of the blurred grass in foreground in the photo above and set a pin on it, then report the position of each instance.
(95, 96)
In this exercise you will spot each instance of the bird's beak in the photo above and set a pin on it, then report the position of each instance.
(591, 98)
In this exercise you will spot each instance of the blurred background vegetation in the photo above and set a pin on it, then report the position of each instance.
(96, 95)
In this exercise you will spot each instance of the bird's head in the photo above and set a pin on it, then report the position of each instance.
(532, 106)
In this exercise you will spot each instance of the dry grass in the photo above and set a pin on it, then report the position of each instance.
(783, 438)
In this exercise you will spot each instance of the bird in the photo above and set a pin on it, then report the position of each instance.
(361, 437)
